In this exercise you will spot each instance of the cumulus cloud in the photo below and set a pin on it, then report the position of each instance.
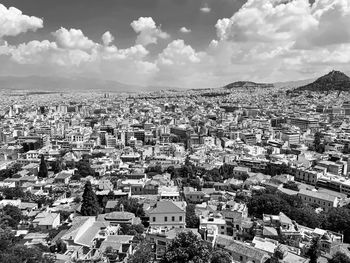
(205, 8)
(107, 38)
(73, 39)
(289, 37)
(185, 30)
(148, 31)
(270, 40)
(13, 22)
(177, 52)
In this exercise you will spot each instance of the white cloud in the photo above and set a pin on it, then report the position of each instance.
(178, 53)
(107, 38)
(284, 38)
(13, 22)
(32, 52)
(148, 32)
(270, 40)
(205, 8)
(73, 39)
(185, 30)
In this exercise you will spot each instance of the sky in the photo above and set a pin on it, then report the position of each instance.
(175, 43)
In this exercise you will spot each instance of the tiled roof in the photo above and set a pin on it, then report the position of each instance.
(241, 248)
(166, 207)
(318, 195)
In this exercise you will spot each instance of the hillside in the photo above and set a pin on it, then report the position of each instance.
(247, 85)
(333, 81)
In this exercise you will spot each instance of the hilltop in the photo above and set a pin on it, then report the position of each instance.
(333, 81)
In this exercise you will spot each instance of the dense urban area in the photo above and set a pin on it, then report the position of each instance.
(244, 173)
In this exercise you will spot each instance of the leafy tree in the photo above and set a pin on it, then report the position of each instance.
(338, 220)
(89, 206)
(57, 165)
(306, 216)
(315, 250)
(21, 253)
(13, 193)
(61, 246)
(143, 253)
(111, 253)
(131, 205)
(317, 143)
(186, 247)
(43, 168)
(291, 185)
(10, 172)
(84, 168)
(339, 258)
(14, 214)
(220, 256)
(192, 220)
(77, 199)
(126, 229)
(260, 204)
(7, 239)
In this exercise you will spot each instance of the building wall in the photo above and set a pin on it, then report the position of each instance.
(169, 220)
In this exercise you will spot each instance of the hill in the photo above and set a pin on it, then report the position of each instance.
(247, 85)
(333, 81)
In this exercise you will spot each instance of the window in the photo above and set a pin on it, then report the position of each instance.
(241, 258)
(154, 219)
(180, 218)
(173, 218)
(165, 218)
(222, 227)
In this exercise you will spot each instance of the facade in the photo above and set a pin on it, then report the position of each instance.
(168, 214)
(325, 201)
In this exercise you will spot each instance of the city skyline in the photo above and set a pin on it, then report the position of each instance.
(189, 44)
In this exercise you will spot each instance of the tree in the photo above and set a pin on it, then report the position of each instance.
(306, 216)
(9, 172)
(13, 214)
(7, 238)
(339, 257)
(21, 253)
(220, 256)
(337, 220)
(192, 220)
(186, 247)
(57, 165)
(317, 143)
(84, 168)
(315, 250)
(89, 206)
(127, 229)
(13, 193)
(273, 204)
(143, 253)
(43, 168)
(291, 185)
(131, 205)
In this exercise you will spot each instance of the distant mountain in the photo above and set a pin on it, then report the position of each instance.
(61, 84)
(247, 85)
(333, 81)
